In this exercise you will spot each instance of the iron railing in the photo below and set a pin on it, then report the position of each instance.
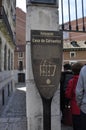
(67, 26)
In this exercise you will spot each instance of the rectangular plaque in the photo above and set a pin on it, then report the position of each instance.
(46, 54)
(45, 37)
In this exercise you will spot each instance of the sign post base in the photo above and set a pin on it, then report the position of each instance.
(46, 113)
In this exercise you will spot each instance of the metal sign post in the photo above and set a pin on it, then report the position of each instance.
(46, 50)
(46, 113)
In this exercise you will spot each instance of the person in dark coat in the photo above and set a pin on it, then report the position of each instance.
(66, 75)
(70, 94)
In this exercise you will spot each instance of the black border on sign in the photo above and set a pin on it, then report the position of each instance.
(45, 2)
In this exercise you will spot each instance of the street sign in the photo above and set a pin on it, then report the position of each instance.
(46, 53)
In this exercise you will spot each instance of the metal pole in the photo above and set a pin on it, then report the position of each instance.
(69, 15)
(83, 16)
(46, 113)
(62, 15)
(76, 15)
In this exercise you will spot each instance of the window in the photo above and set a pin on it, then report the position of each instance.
(11, 61)
(65, 35)
(8, 59)
(20, 65)
(72, 54)
(72, 62)
(20, 54)
(85, 42)
(5, 57)
(74, 44)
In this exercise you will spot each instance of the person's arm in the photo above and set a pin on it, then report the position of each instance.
(69, 89)
(79, 89)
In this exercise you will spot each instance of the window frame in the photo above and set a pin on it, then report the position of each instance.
(72, 52)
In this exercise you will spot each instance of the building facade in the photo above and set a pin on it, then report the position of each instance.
(75, 43)
(74, 51)
(75, 35)
(20, 58)
(7, 45)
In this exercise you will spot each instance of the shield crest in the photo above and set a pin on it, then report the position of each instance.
(46, 54)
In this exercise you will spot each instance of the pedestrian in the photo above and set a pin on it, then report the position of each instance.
(70, 94)
(81, 95)
(66, 75)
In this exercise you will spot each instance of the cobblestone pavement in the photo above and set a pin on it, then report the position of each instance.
(16, 106)
(63, 127)
(13, 116)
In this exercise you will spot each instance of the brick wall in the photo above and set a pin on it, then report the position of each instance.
(20, 26)
(80, 56)
(77, 35)
(20, 37)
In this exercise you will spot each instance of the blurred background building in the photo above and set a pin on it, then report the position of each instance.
(74, 43)
(20, 53)
(7, 46)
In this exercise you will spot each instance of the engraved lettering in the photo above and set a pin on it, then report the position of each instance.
(46, 33)
(36, 40)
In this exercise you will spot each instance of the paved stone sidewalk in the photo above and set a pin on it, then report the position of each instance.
(63, 127)
(16, 106)
(16, 110)
(13, 116)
